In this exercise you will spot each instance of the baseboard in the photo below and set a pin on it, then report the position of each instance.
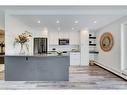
(119, 74)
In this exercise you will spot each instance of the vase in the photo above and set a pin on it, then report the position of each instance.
(22, 51)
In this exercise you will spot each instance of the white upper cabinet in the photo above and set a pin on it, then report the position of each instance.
(74, 38)
(63, 34)
(41, 33)
(45, 33)
(53, 37)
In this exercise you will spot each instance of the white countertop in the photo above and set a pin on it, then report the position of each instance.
(43, 55)
(39, 55)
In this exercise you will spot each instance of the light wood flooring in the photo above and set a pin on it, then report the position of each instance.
(86, 77)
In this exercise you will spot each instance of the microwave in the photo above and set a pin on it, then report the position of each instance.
(63, 41)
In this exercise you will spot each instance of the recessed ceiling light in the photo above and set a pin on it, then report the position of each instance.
(76, 21)
(72, 28)
(57, 21)
(38, 21)
(95, 21)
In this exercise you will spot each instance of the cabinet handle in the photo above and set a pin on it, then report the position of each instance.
(26, 58)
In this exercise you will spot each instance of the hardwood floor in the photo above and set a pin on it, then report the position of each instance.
(86, 77)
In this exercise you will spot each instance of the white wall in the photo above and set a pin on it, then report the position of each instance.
(124, 46)
(14, 27)
(111, 59)
(2, 22)
(84, 47)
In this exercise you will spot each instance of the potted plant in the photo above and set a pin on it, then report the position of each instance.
(59, 52)
(22, 39)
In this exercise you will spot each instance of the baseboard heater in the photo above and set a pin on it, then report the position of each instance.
(119, 74)
(124, 74)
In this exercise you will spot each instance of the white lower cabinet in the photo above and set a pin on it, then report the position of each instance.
(74, 58)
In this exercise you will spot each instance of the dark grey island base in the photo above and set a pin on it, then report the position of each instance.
(37, 68)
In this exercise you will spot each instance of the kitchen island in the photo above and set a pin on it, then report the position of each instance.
(45, 67)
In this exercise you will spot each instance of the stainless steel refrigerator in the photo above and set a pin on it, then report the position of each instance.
(40, 45)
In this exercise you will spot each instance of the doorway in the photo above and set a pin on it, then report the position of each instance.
(2, 53)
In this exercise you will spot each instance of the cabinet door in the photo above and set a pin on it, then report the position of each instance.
(74, 38)
(63, 34)
(74, 58)
(20, 69)
(53, 37)
(51, 68)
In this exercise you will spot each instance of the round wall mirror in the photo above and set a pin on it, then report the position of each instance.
(106, 42)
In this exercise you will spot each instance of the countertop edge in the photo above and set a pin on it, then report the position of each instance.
(34, 55)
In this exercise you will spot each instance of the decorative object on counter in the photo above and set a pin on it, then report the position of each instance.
(22, 39)
(2, 45)
(106, 41)
(75, 50)
(59, 52)
(54, 49)
(64, 52)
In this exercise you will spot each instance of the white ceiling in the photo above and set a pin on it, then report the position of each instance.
(118, 10)
(48, 15)
(67, 22)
